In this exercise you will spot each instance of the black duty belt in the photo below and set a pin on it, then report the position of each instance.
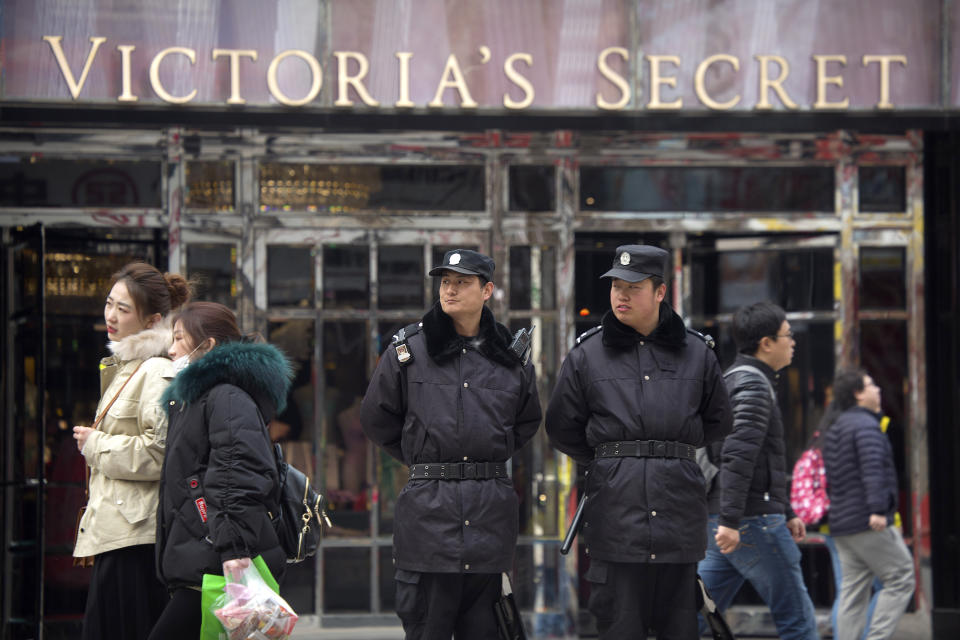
(458, 471)
(646, 449)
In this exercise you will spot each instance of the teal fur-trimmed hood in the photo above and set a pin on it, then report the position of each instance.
(260, 369)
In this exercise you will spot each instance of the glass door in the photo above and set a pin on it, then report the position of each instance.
(22, 464)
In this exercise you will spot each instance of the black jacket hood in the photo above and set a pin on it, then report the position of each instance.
(443, 342)
(670, 332)
(260, 369)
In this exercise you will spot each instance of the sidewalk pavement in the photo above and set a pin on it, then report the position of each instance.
(913, 626)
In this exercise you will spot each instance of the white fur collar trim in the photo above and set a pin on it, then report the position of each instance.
(155, 341)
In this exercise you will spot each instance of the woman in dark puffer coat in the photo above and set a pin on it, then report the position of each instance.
(219, 485)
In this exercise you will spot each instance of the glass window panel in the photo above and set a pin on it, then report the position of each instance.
(213, 270)
(39, 182)
(346, 277)
(294, 427)
(532, 188)
(883, 355)
(882, 189)
(352, 187)
(707, 188)
(520, 285)
(797, 280)
(346, 579)
(210, 185)
(391, 474)
(401, 274)
(883, 278)
(290, 276)
(347, 451)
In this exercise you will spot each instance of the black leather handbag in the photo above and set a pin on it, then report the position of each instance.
(302, 514)
(509, 622)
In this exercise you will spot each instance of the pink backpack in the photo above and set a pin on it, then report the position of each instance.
(808, 489)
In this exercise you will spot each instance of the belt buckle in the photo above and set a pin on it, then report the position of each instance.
(659, 448)
(468, 471)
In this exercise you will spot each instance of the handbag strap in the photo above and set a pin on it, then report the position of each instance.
(96, 423)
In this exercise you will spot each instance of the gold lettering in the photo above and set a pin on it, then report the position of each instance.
(126, 95)
(777, 85)
(519, 80)
(613, 77)
(823, 80)
(234, 55)
(404, 99)
(344, 78)
(701, 89)
(656, 80)
(885, 61)
(315, 71)
(155, 75)
(458, 83)
(57, 48)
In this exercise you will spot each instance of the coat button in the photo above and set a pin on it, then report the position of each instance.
(119, 501)
(466, 523)
(653, 556)
(173, 402)
(466, 384)
(646, 377)
(467, 567)
(464, 351)
(653, 513)
(465, 458)
(641, 343)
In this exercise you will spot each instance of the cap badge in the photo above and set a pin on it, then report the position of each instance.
(625, 258)
(455, 258)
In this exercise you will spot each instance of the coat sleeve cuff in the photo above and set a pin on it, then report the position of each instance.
(729, 522)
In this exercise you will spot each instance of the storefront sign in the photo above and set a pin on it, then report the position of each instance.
(601, 55)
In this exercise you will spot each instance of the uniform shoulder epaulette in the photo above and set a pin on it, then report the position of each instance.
(404, 355)
(589, 333)
(706, 338)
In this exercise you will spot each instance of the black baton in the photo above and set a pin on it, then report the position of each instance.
(574, 527)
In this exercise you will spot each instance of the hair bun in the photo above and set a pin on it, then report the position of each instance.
(180, 289)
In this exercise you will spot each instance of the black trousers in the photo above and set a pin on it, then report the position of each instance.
(181, 618)
(125, 597)
(436, 606)
(630, 599)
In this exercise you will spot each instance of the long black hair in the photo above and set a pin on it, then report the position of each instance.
(846, 385)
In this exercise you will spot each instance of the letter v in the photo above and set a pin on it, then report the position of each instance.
(57, 48)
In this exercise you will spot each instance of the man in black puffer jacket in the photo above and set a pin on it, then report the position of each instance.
(633, 400)
(752, 531)
(452, 401)
(862, 484)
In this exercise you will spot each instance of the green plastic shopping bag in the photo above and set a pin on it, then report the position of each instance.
(212, 595)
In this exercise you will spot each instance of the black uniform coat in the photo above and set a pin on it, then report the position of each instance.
(752, 480)
(459, 399)
(219, 453)
(625, 386)
(861, 476)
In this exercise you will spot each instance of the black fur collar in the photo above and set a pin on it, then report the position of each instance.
(671, 332)
(443, 342)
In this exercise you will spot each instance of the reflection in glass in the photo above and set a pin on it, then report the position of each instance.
(548, 278)
(41, 182)
(707, 188)
(401, 277)
(346, 579)
(346, 455)
(346, 277)
(290, 280)
(213, 269)
(210, 185)
(797, 280)
(520, 285)
(532, 188)
(883, 278)
(882, 189)
(351, 187)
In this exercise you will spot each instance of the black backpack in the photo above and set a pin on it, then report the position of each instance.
(302, 516)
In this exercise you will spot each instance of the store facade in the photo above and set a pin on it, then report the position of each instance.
(306, 163)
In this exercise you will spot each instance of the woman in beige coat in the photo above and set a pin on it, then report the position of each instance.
(125, 454)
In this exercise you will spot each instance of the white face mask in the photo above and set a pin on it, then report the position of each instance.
(181, 363)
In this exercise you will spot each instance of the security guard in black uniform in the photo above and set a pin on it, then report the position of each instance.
(452, 400)
(635, 397)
